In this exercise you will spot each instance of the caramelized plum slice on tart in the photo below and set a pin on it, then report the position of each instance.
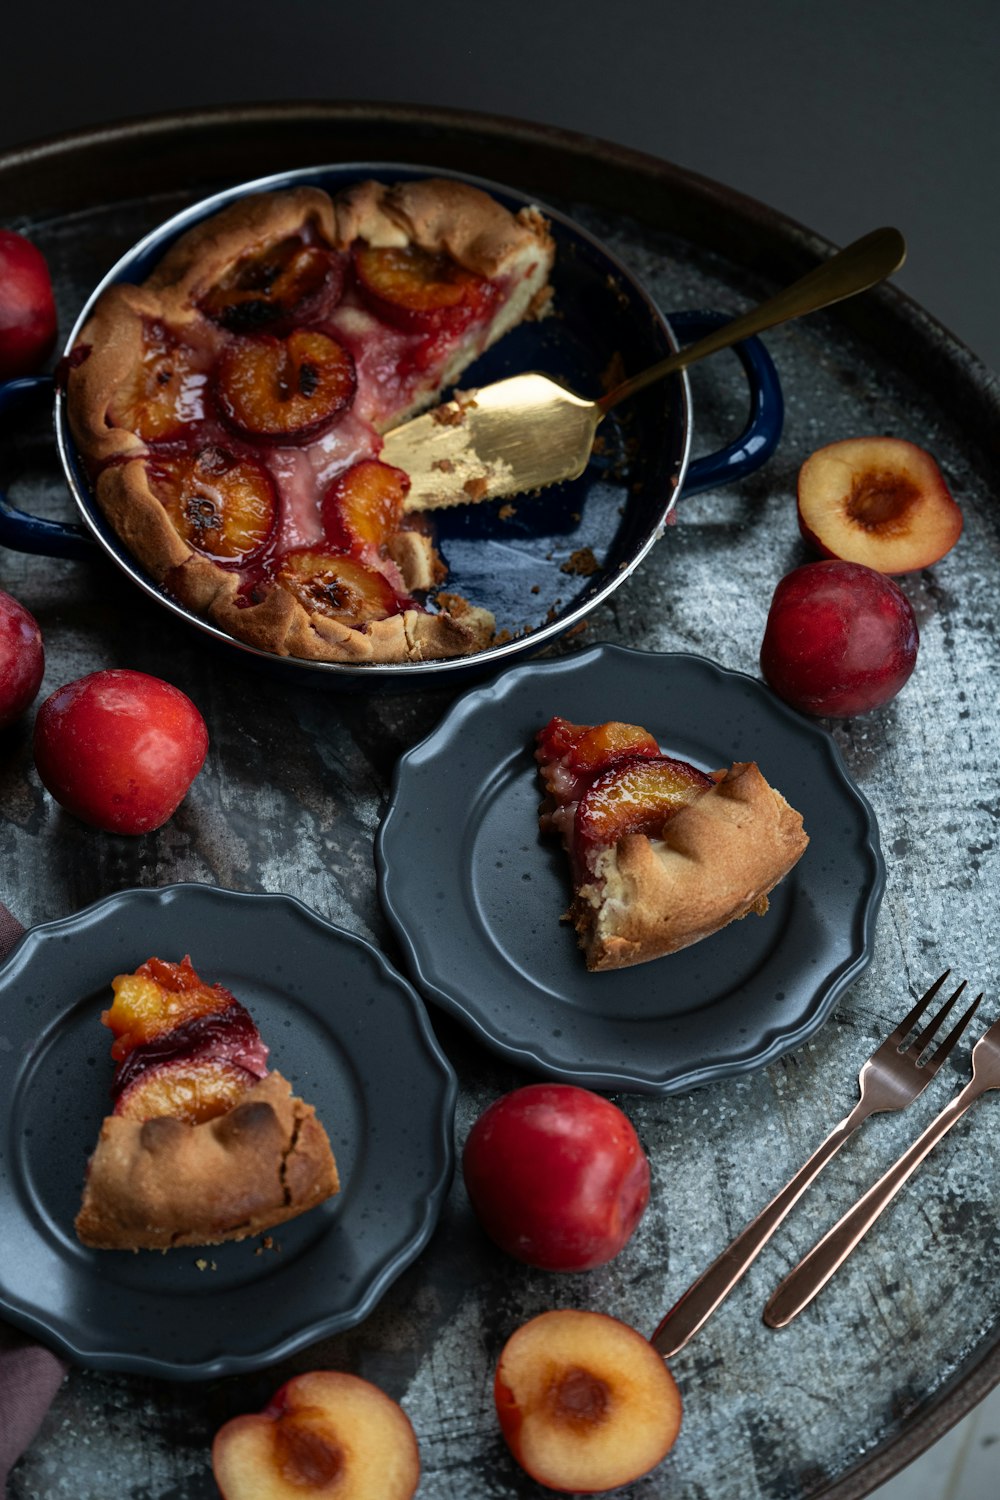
(337, 586)
(279, 286)
(363, 507)
(662, 854)
(204, 1144)
(223, 503)
(418, 290)
(161, 393)
(284, 390)
(638, 794)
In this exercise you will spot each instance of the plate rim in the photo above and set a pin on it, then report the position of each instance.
(628, 1079)
(35, 1322)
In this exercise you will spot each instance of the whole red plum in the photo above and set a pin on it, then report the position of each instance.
(119, 749)
(22, 659)
(840, 639)
(27, 307)
(557, 1176)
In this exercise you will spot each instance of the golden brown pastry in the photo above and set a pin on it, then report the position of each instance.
(204, 1144)
(662, 854)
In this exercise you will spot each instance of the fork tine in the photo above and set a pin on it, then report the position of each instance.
(924, 1038)
(932, 1064)
(908, 1022)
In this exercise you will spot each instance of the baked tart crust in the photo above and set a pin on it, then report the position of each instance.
(436, 216)
(715, 861)
(160, 1183)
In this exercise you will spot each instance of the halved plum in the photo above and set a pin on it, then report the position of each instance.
(879, 501)
(340, 587)
(325, 1435)
(420, 291)
(162, 392)
(285, 284)
(225, 504)
(284, 390)
(364, 505)
(637, 795)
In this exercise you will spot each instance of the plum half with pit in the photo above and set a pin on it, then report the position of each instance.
(584, 1402)
(880, 501)
(323, 1434)
(840, 639)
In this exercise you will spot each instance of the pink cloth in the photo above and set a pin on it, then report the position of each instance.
(30, 1374)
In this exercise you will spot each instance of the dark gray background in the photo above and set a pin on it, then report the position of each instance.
(842, 116)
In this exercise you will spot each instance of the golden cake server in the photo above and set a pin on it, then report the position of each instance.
(529, 431)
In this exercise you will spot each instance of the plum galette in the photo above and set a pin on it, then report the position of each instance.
(230, 410)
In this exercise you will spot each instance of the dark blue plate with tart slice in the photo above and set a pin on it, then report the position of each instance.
(475, 893)
(341, 1024)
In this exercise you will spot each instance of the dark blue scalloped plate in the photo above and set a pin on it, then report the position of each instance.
(343, 1026)
(475, 894)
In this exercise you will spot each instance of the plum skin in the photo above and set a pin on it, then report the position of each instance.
(27, 307)
(556, 1176)
(22, 659)
(840, 639)
(119, 749)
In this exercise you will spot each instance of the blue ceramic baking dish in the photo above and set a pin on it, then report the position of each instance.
(512, 564)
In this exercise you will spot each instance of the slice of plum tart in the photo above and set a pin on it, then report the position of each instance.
(230, 410)
(661, 853)
(204, 1144)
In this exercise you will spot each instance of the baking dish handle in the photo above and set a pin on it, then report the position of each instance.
(760, 436)
(19, 531)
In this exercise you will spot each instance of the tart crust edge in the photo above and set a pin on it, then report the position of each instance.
(159, 1183)
(716, 861)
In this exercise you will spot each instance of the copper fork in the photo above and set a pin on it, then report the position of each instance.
(813, 1272)
(892, 1077)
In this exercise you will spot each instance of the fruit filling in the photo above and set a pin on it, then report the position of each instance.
(156, 998)
(184, 1048)
(165, 390)
(337, 586)
(571, 755)
(363, 507)
(284, 390)
(189, 1089)
(420, 291)
(225, 505)
(604, 781)
(637, 795)
(288, 283)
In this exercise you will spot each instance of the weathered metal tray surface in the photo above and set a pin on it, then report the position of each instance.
(906, 1338)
